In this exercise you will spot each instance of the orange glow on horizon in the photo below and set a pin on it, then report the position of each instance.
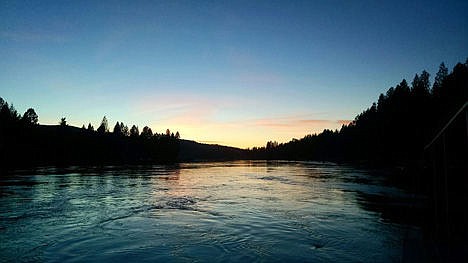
(248, 134)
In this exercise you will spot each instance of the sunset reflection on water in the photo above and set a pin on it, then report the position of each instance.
(221, 211)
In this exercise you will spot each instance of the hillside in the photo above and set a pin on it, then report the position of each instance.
(194, 151)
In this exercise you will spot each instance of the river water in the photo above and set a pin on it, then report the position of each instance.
(202, 212)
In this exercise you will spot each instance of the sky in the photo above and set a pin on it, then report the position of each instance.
(236, 73)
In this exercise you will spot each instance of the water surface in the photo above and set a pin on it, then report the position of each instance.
(226, 211)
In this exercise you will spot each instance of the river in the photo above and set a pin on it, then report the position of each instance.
(198, 212)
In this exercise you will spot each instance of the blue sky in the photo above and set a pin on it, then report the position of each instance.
(232, 72)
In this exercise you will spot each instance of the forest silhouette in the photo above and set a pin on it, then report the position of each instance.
(419, 133)
(392, 132)
(25, 143)
(416, 129)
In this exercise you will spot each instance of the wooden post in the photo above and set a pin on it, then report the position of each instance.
(434, 192)
(445, 167)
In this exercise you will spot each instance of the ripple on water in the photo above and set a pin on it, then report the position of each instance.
(237, 211)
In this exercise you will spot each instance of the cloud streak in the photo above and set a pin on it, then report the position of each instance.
(212, 120)
(294, 121)
(32, 37)
(344, 122)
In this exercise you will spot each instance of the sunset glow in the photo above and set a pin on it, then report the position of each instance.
(236, 73)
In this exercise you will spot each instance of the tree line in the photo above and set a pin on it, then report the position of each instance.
(418, 132)
(24, 142)
(392, 131)
(120, 129)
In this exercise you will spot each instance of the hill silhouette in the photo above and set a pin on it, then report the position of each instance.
(194, 151)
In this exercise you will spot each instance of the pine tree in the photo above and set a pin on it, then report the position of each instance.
(30, 117)
(103, 128)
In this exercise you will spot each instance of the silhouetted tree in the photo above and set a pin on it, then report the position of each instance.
(63, 121)
(90, 127)
(168, 132)
(125, 130)
(30, 117)
(13, 113)
(103, 128)
(134, 132)
(271, 144)
(8, 114)
(118, 129)
(83, 127)
(4, 110)
(421, 84)
(177, 135)
(146, 132)
(439, 79)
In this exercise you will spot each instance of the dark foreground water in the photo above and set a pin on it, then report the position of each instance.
(209, 212)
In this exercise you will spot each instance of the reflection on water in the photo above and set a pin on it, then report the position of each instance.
(230, 211)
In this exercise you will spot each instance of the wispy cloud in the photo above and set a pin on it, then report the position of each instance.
(344, 122)
(32, 37)
(206, 120)
(291, 122)
(241, 59)
(179, 109)
(251, 69)
(260, 78)
(211, 142)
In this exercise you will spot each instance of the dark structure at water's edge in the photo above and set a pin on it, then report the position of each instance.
(446, 177)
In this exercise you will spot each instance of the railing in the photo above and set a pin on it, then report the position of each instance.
(463, 108)
(446, 158)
